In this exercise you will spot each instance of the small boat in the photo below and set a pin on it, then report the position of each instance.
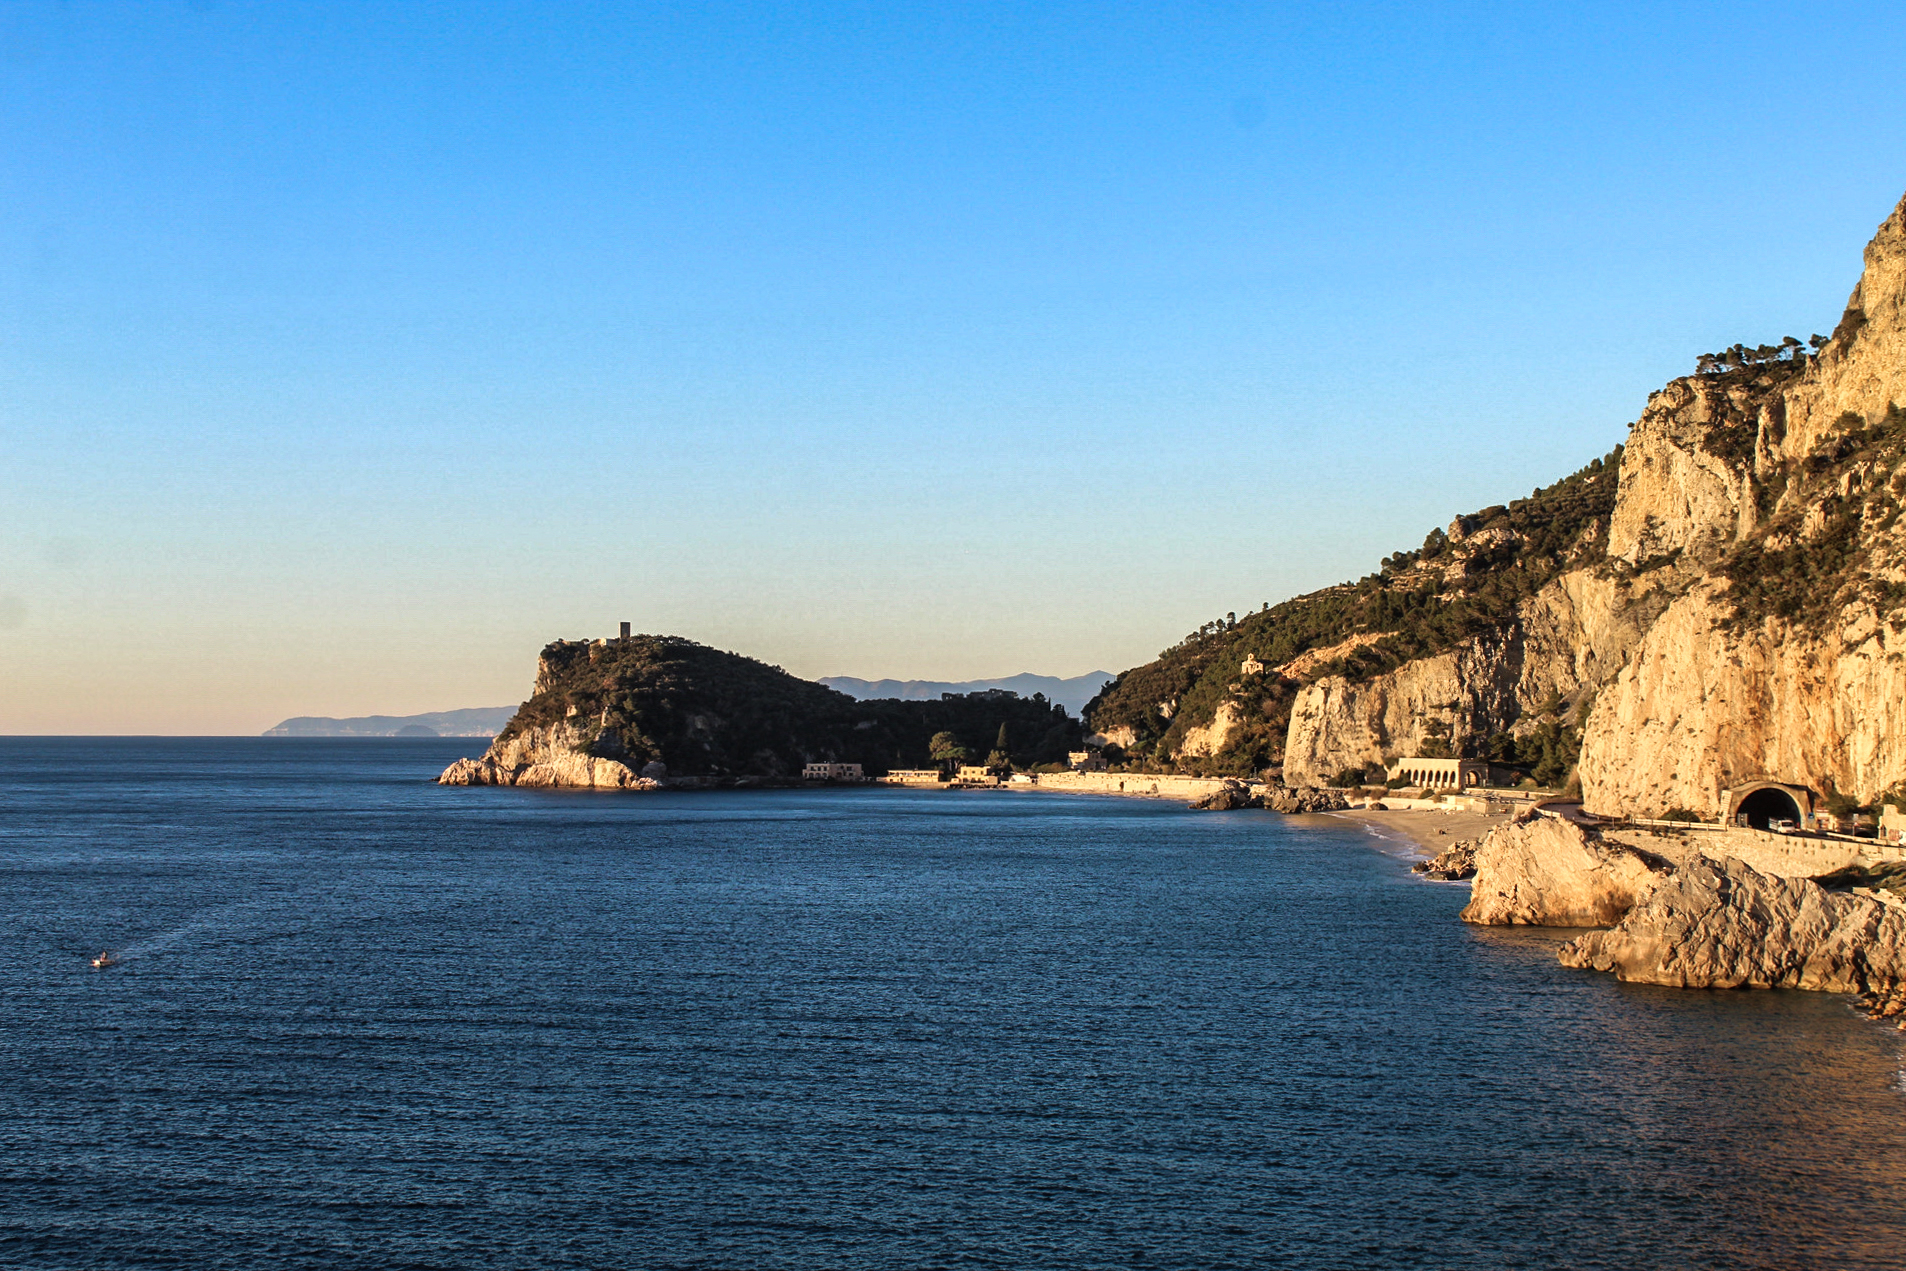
(104, 960)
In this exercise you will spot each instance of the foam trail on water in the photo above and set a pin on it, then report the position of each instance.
(225, 919)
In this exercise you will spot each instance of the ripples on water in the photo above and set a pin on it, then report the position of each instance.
(367, 1022)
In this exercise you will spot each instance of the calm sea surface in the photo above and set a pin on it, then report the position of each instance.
(366, 1022)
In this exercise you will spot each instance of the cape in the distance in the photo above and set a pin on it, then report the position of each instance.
(1071, 692)
(1716, 605)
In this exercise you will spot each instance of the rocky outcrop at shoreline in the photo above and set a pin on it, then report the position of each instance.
(547, 758)
(1452, 864)
(1544, 871)
(1722, 924)
(1236, 795)
(1687, 919)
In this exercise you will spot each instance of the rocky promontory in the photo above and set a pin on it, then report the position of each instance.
(1690, 917)
(1720, 600)
(644, 711)
(1544, 871)
(1722, 924)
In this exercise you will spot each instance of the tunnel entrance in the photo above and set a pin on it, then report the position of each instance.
(1770, 803)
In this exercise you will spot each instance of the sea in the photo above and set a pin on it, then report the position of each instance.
(362, 1021)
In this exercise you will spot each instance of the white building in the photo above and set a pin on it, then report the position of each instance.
(1442, 774)
(913, 777)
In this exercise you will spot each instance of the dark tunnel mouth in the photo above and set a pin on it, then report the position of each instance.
(1769, 803)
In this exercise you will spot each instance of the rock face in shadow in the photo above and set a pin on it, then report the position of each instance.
(1542, 871)
(1721, 924)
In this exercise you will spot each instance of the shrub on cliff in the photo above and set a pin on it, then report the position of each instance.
(1808, 562)
(1408, 604)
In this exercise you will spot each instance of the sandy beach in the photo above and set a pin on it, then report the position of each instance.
(1430, 832)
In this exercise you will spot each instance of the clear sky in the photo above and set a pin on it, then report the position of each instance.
(350, 352)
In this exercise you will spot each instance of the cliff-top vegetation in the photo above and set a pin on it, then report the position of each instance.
(1829, 542)
(704, 712)
(1462, 582)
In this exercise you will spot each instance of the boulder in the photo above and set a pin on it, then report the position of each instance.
(1227, 799)
(1454, 862)
(1304, 799)
(1544, 871)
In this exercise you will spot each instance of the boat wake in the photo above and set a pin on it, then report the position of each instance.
(243, 922)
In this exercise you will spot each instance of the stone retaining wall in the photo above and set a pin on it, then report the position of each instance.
(1783, 855)
(1131, 783)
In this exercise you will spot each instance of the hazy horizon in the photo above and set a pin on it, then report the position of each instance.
(351, 354)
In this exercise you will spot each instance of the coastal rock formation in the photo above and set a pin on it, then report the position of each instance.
(643, 711)
(1235, 794)
(1289, 800)
(1455, 862)
(1721, 600)
(1721, 924)
(1228, 798)
(1543, 871)
(545, 758)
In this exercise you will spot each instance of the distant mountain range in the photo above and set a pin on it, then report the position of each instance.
(475, 721)
(488, 721)
(1072, 693)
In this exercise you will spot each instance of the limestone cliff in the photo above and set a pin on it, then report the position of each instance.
(548, 757)
(1543, 871)
(1722, 600)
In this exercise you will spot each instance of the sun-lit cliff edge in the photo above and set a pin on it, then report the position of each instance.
(1723, 599)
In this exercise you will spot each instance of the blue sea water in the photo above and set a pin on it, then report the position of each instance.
(364, 1021)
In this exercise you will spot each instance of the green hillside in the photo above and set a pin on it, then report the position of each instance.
(1419, 603)
(704, 712)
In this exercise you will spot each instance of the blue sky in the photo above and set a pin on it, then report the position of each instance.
(348, 353)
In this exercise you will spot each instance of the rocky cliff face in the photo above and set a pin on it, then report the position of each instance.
(1541, 871)
(1452, 699)
(1736, 612)
(548, 757)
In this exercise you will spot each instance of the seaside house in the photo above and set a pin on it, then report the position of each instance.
(913, 777)
(976, 774)
(1085, 761)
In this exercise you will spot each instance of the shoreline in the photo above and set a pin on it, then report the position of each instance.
(1428, 832)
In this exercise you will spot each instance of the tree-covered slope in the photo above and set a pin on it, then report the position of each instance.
(1462, 582)
(703, 712)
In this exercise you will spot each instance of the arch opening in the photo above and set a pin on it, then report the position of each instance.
(1770, 803)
